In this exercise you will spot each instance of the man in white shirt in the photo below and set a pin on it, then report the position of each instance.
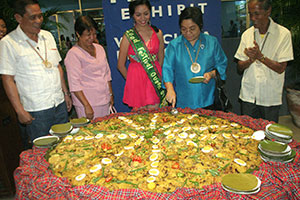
(262, 55)
(31, 74)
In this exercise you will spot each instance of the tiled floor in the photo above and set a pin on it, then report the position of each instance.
(285, 120)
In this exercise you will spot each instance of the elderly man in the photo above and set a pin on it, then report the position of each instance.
(263, 53)
(31, 74)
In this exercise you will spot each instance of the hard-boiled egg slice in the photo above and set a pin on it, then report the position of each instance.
(155, 146)
(173, 124)
(151, 179)
(110, 136)
(168, 132)
(134, 125)
(202, 137)
(99, 135)
(89, 137)
(170, 136)
(153, 157)
(213, 136)
(207, 149)
(122, 136)
(178, 140)
(154, 172)
(133, 135)
(121, 117)
(240, 162)
(106, 161)
(119, 154)
(220, 155)
(166, 126)
(80, 177)
(234, 124)
(192, 135)
(129, 121)
(214, 126)
(69, 137)
(226, 135)
(203, 128)
(224, 126)
(247, 137)
(129, 147)
(79, 138)
(190, 117)
(186, 128)
(155, 150)
(191, 143)
(183, 135)
(95, 168)
(154, 120)
(155, 141)
(155, 164)
(175, 130)
(235, 136)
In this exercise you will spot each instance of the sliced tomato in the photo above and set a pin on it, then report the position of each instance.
(175, 166)
(108, 179)
(105, 146)
(137, 158)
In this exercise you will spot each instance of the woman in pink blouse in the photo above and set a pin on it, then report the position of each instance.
(88, 72)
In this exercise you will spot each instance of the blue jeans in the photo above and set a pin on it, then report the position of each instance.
(44, 120)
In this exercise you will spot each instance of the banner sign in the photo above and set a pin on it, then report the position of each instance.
(165, 16)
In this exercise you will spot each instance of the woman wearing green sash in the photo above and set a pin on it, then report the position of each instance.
(143, 44)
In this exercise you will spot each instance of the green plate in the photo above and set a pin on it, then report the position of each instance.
(277, 158)
(45, 141)
(271, 146)
(81, 120)
(280, 129)
(61, 128)
(241, 182)
(197, 79)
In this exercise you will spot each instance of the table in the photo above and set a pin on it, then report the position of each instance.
(35, 181)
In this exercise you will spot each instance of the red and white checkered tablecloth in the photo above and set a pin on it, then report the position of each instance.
(34, 179)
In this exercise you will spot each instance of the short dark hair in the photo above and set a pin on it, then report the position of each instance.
(84, 23)
(266, 4)
(193, 13)
(134, 4)
(19, 6)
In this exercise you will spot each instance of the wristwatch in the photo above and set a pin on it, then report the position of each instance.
(262, 59)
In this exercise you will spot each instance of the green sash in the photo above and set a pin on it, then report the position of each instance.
(147, 61)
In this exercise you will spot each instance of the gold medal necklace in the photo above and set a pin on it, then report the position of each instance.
(195, 67)
(45, 61)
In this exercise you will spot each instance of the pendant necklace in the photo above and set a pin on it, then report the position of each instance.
(45, 61)
(195, 67)
(263, 44)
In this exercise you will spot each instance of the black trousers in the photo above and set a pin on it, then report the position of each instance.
(270, 113)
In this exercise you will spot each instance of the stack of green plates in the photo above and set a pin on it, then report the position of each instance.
(241, 183)
(279, 133)
(45, 141)
(61, 130)
(78, 122)
(276, 151)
